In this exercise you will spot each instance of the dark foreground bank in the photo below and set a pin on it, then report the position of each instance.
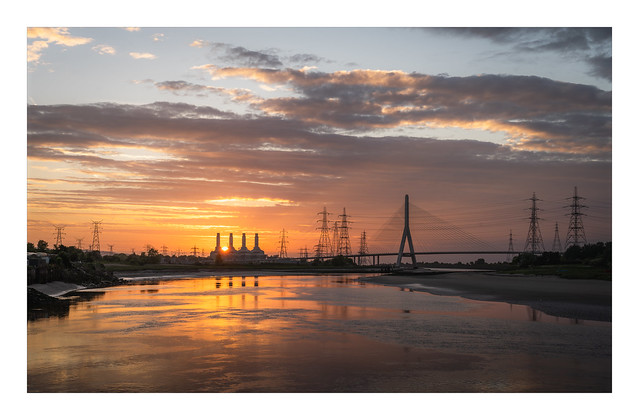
(568, 298)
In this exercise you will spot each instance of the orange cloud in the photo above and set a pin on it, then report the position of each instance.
(532, 111)
(47, 36)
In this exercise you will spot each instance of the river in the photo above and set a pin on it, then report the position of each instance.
(308, 333)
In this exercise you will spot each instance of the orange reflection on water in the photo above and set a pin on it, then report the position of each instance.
(290, 333)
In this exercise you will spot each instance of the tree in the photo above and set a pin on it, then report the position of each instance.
(31, 247)
(42, 245)
(525, 259)
(572, 255)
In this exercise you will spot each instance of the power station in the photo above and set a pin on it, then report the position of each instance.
(242, 255)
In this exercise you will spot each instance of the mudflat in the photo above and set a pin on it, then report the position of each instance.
(568, 298)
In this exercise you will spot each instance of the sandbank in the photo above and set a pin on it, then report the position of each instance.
(568, 298)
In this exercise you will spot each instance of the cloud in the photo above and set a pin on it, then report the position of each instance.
(271, 58)
(141, 159)
(249, 202)
(145, 56)
(132, 29)
(244, 56)
(591, 45)
(182, 87)
(104, 49)
(530, 110)
(306, 59)
(46, 36)
(538, 39)
(60, 36)
(601, 66)
(34, 50)
(199, 43)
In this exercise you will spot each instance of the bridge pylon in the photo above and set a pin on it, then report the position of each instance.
(406, 236)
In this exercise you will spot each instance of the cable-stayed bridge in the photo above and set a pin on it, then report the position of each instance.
(412, 230)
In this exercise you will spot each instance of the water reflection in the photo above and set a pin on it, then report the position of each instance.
(300, 334)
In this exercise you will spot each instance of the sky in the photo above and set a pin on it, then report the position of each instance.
(169, 135)
(145, 131)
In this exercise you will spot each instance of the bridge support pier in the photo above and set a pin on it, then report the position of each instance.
(406, 236)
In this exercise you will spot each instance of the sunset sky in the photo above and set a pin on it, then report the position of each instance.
(169, 135)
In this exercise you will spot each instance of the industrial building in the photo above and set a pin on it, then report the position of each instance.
(242, 255)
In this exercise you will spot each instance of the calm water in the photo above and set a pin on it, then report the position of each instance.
(309, 334)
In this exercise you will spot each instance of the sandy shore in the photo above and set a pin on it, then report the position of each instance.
(579, 299)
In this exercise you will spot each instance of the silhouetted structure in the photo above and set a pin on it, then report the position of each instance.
(242, 255)
(534, 241)
(556, 243)
(406, 236)
(323, 247)
(344, 247)
(283, 242)
(59, 234)
(95, 246)
(304, 253)
(511, 249)
(362, 259)
(576, 234)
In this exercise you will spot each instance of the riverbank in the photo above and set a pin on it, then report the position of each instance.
(568, 298)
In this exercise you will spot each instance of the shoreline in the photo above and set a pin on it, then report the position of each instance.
(567, 298)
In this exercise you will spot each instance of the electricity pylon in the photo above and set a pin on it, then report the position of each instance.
(534, 241)
(363, 249)
(344, 240)
(59, 234)
(304, 253)
(511, 249)
(283, 242)
(556, 243)
(95, 246)
(576, 234)
(335, 243)
(406, 236)
(323, 247)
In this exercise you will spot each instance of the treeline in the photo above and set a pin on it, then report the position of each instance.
(150, 257)
(67, 264)
(597, 255)
(66, 255)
